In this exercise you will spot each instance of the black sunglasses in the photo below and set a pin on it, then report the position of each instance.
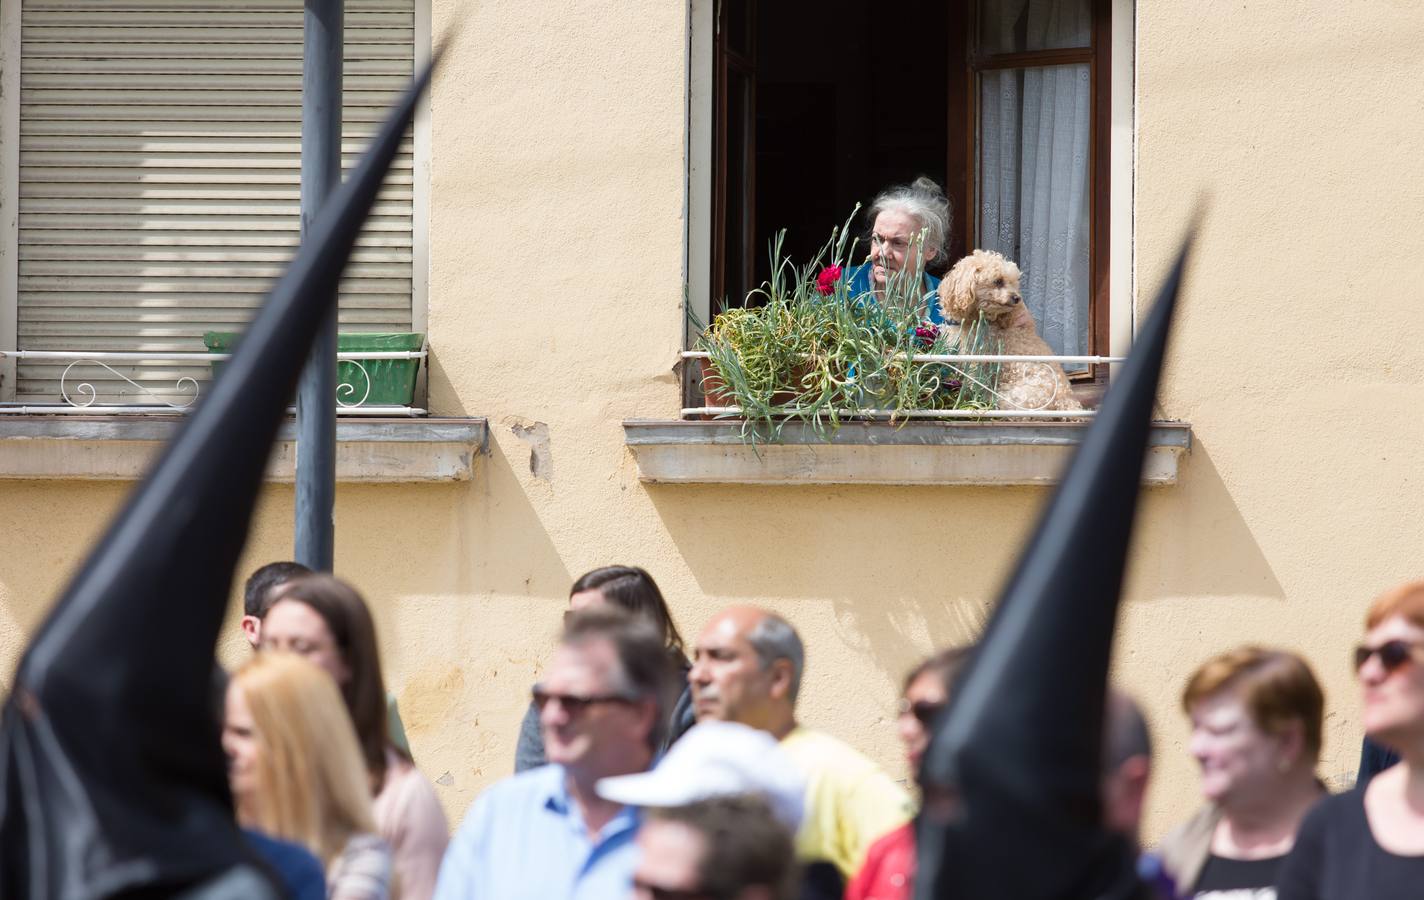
(574, 704)
(923, 710)
(1392, 654)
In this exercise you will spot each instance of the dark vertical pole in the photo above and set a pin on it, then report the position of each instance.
(316, 394)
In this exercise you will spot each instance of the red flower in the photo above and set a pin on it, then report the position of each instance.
(826, 281)
(926, 333)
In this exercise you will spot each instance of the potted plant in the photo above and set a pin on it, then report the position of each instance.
(360, 382)
(803, 348)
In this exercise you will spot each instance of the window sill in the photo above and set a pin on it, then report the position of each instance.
(963, 453)
(122, 449)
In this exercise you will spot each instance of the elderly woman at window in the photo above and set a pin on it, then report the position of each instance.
(909, 229)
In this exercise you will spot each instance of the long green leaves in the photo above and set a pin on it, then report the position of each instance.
(794, 352)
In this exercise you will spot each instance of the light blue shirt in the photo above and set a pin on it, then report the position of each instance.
(525, 838)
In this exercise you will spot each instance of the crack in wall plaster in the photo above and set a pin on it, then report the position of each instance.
(541, 459)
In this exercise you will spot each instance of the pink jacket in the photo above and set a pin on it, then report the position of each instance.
(409, 817)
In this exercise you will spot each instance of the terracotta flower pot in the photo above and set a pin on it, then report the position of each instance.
(716, 392)
(790, 395)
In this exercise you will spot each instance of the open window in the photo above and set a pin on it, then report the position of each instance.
(1006, 103)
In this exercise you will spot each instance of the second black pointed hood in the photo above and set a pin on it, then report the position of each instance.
(1016, 760)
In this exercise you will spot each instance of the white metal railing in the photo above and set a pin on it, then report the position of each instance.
(82, 397)
(138, 356)
(972, 358)
(949, 359)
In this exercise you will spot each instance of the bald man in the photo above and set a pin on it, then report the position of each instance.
(747, 668)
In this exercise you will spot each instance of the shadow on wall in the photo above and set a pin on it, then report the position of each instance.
(1192, 540)
(510, 547)
(441, 396)
(904, 569)
(50, 528)
(479, 537)
(899, 568)
(482, 537)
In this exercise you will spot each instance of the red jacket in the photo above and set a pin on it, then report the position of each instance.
(889, 869)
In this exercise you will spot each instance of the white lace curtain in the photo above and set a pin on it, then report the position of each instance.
(1034, 130)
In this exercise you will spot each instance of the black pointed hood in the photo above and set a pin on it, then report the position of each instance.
(1018, 753)
(112, 779)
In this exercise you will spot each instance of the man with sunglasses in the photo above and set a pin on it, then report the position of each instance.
(546, 833)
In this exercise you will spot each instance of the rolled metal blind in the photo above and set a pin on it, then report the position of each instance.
(160, 177)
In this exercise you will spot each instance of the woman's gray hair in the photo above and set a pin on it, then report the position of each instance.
(925, 201)
(773, 638)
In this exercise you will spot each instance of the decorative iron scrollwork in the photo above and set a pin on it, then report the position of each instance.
(346, 390)
(85, 394)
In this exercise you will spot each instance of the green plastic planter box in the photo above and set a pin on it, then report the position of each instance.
(392, 380)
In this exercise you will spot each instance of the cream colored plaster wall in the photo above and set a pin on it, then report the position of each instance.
(556, 245)
(1297, 357)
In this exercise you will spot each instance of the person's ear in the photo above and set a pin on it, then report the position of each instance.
(781, 672)
(647, 717)
(1125, 794)
(1137, 772)
(1292, 743)
(252, 630)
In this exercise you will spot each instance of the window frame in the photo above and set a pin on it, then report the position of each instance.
(10, 67)
(733, 65)
(9, 191)
(963, 187)
(1112, 168)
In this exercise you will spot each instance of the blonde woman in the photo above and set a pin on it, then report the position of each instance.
(296, 771)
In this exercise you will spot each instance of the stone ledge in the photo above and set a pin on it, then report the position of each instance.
(919, 452)
(116, 448)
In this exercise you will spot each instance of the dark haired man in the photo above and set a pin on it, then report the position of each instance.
(729, 848)
(546, 833)
(256, 591)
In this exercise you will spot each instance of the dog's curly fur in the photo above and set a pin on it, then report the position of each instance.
(985, 284)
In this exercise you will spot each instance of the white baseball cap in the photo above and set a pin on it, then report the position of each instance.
(714, 759)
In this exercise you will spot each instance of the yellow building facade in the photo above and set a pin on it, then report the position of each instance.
(562, 193)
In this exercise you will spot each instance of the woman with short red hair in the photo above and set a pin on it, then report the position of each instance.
(1370, 842)
(1256, 718)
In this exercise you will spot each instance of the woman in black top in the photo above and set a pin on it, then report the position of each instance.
(1256, 717)
(1370, 842)
(634, 590)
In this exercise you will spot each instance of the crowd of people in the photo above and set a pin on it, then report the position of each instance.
(653, 769)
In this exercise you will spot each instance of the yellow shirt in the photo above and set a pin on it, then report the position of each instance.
(850, 802)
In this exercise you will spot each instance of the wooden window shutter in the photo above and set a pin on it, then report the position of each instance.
(160, 177)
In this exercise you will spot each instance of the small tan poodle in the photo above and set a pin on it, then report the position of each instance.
(985, 284)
